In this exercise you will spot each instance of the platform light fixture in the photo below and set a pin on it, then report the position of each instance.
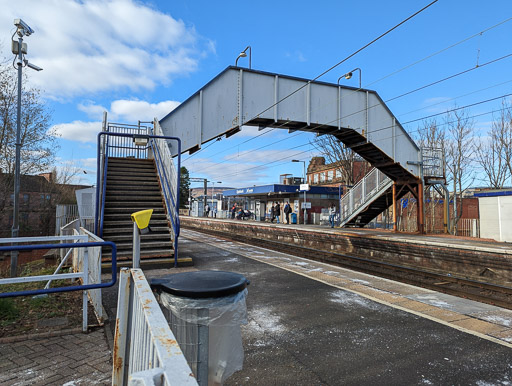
(305, 210)
(349, 75)
(243, 54)
(19, 49)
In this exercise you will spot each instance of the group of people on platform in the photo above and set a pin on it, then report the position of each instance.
(240, 213)
(275, 212)
(207, 211)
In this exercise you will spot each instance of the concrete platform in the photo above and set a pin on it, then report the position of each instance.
(475, 259)
(311, 323)
(316, 324)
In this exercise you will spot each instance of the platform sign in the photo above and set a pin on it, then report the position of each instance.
(304, 187)
(306, 205)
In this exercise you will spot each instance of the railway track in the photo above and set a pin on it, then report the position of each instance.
(442, 282)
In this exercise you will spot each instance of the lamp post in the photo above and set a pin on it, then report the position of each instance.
(305, 210)
(243, 54)
(19, 49)
(213, 191)
(348, 75)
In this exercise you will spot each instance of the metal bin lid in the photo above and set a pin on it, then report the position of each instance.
(201, 284)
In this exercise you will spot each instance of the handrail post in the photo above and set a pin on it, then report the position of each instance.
(136, 246)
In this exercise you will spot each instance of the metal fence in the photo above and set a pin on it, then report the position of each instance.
(86, 269)
(64, 214)
(145, 349)
(124, 147)
(469, 227)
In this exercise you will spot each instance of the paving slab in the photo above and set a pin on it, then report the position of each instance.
(57, 360)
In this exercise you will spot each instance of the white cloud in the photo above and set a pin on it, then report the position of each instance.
(134, 110)
(91, 109)
(78, 131)
(263, 156)
(91, 45)
(231, 174)
(129, 110)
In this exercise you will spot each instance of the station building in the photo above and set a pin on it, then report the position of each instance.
(259, 199)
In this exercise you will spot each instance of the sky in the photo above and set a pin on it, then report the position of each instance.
(140, 59)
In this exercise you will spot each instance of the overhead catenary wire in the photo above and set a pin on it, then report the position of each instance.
(394, 98)
(398, 71)
(347, 58)
(387, 127)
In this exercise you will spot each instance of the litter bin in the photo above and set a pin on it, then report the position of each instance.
(204, 310)
(294, 218)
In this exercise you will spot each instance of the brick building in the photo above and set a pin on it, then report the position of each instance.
(322, 174)
(39, 196)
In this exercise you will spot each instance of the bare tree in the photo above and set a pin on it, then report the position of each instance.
(349, 164)
(38, 141)
(431, 135)
(460, 147)
(493, 153)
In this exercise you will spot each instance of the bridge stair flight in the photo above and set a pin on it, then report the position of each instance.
(133, 185)
(136, 172)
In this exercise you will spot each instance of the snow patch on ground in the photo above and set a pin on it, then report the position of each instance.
(350, 299)
(360, 281)
(263, 325)
(232, 260)
(498, 320)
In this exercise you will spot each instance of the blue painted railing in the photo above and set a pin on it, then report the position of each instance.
(166, 186)
(164, 180)
(69, 288)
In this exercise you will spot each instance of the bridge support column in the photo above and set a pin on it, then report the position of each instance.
(395, 226)
(419, 198)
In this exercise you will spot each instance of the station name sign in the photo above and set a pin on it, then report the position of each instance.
(304, 187)
(244, 191)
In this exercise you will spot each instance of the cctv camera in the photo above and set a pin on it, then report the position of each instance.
(32, 66)
(23, 28)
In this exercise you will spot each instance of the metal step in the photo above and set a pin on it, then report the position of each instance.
(130, 196)
(127, 178)
(134, 204)
(130, 229)
(126, 223)
(129, 210)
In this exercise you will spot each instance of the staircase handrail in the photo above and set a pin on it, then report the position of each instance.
(165, 181)
(159, 146)
(352, 200)
(101, 186)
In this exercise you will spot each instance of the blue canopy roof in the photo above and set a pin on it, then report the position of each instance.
(277, 188)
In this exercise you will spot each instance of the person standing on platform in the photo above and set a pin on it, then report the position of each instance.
(206, 210)
(332, 214)
(233, 211)
(287, 210)
(272, 213)
(277, 209)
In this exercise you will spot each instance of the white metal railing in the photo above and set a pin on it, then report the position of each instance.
(164, 161)
(64, 214)
(362, 193)
(94, 270)
(145, 349)
(469, 227)
(81, 274)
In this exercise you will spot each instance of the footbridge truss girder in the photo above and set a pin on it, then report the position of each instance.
(357, 117)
